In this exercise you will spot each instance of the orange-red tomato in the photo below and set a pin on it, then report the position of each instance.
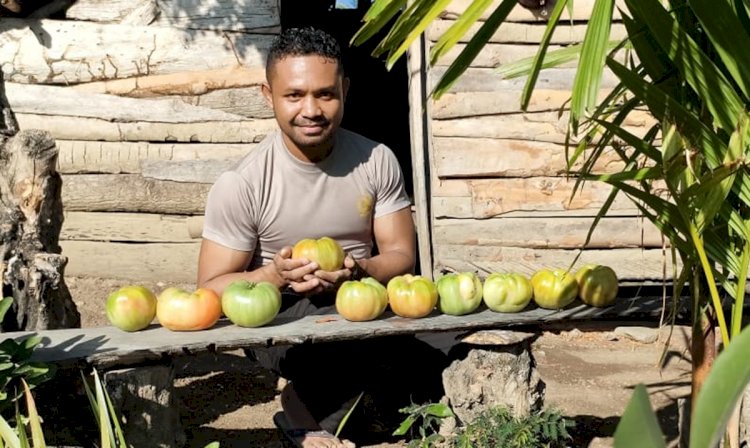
(325, 251)
(179, 310)
(412, 295)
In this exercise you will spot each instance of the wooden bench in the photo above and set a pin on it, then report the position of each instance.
(140, 363)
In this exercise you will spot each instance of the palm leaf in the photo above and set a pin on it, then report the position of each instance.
(435, 8)
(459, 28)
(37, 436)
(380, 13)
(552, 59)
(638, 425)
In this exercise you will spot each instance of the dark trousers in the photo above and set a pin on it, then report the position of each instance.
(392, 371)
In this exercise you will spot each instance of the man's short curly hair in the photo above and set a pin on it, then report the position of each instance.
(304, 42)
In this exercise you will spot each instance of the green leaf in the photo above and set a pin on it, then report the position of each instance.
(725, 32)
(212, 445)
(437, 6)
(720, 393)
(638, 425)
(472, 49)
(405, 425)
(638, 144)
(379, 15)
(5, 304)
(8, 435)
(37, 435)
(591, 66)
(348, 414)
(439, 410)
(459, 28)
(22, 436)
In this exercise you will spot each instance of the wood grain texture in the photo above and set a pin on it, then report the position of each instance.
(125, 227)
(488, 80)
(510, 32)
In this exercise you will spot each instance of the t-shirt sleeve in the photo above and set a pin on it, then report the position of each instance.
(391, 191)
(230, 213)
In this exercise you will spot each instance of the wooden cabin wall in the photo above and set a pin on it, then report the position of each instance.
(148, 100)
(500, 199)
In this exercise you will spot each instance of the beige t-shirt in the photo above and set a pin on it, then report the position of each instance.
(271, 199)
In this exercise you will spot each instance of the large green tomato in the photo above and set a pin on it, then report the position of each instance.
(507, 293)
(554, 289)
(362, 300)
(412, 296)
(597, 285)
(131, 308)
(459, 294)
(248, 304)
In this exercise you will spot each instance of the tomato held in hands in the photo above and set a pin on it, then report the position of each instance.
(325, 251)
(459, 293)
(248, 304)
(554, 289)
(131, 308)
(361, 300)
(412, 295)
(507, 292)
(597, 285)
(179, 310)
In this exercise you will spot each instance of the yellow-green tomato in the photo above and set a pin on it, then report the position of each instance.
(249, 304)
(459, 293)
(554, 289)
(507, 292)
(131, 308)
(597, 285)
(412, 295)
(325, 251)
(362, 300)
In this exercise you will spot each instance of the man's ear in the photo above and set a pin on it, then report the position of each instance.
(265, 89)
(345, 87)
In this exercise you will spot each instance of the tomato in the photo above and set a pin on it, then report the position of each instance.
(131, 308)
(179, 310)
(507, 292)
(325, 251)
(554, 289)
(248, 304)
(597, 285)
(361, 300)
(412, 295)
(459, 293)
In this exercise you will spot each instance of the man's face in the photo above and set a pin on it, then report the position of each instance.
(307, 95)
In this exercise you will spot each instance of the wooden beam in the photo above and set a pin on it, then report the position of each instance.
(494, 55)
(125, 227)
(243, 101)
(138, 12)
(132, 193)
(545, 233)
(196, 171)
(629, 264)
(581, 11)
(81, 156)
(513, 33)
(255, 16)
(72, 52)
(488, 80)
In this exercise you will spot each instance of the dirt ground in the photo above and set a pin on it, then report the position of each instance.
(589, 374)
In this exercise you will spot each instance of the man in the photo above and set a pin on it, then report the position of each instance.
(307, 180)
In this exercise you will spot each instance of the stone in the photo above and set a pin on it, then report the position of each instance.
(643, 335)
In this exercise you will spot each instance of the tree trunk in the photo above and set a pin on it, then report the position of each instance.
(31, 215)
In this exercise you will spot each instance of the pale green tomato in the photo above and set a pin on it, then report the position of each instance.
(554, 289)
(597, 285)
(362, 300)
(459, 294)
(249, 304)
(412, 296)
(507, 293)
(131, 308)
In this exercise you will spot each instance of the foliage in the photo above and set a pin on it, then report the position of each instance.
(498, 427)
(429, 416)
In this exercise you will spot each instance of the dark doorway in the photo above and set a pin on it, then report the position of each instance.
(378, 102)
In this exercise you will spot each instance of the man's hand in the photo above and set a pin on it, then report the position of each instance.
(334, 279)
(298, 273)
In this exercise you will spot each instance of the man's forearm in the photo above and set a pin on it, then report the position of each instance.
(263, 274)
(387, 265)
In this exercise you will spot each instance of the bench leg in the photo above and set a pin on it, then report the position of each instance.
(144, 399)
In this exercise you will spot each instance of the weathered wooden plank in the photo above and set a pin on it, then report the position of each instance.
(494, 55)
(486, 198)
(245, 101)
(75, 128)
(125, 227)
(138, 12)
(195, 171)
(488, 157)
(107, 346)
(581, 11)
(488, 80)
(258, 16)
(71, 52)
(629, 264)
(545, 233)
(168, 262)
(132, 193)
(539, 126)
(514, 33)
(183, 83)
(81, 156)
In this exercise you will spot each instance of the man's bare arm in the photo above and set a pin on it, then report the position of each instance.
(396, 240)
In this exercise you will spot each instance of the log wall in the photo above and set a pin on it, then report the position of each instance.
(149, 100)
(500, 198)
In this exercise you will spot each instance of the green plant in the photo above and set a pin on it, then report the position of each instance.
(429, 416)
(498, 428)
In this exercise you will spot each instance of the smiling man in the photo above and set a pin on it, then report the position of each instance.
(308, 180)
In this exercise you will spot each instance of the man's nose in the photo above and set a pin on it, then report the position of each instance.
(310, 107)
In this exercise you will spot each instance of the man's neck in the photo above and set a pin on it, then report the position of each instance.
(308, 154)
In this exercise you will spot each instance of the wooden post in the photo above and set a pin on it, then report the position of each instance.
(31, 215)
